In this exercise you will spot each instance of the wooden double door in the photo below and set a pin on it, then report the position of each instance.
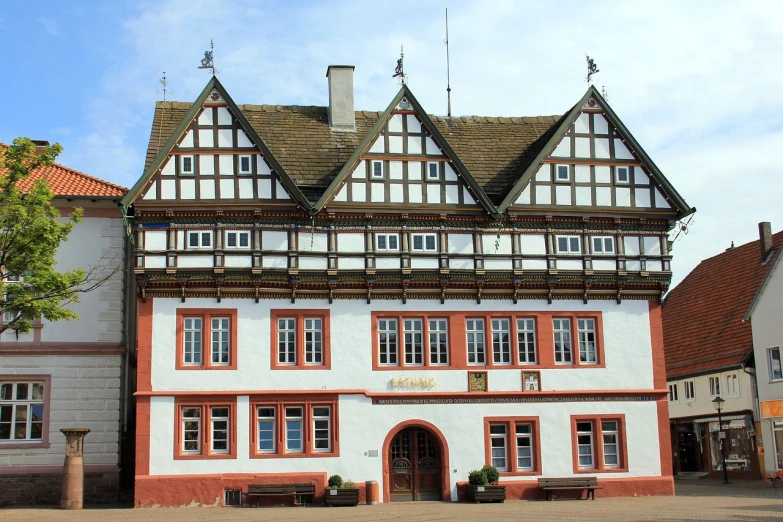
(415, 466)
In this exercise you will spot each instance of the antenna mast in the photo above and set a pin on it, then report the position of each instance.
(448, 72)
(164, 83)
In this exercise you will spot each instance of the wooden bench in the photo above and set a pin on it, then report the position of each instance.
(584, 483)
(299, 491)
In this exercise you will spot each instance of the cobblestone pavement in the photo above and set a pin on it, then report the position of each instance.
(695, 500)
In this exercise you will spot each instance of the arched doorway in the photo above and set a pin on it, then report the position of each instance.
(416, 465)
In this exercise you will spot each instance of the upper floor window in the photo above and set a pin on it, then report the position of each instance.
(245, 165)
(475, 341)
(732, 385)
(377, 170)
(587, 346)
(387, 242)
(433, 171)
(690, 390)
(186, 165)
(22, 410)
(411, 341)
(568, 244)
(714, 384)
(199, 239)
(501, 341)
(674, 393)
(439, 344)
(562, 173)
(206, 339)
(603, 245)
(621, 175)
(562, 334)
(424, 242)
(301, 338)
(526, 341)
(238, 240)
(774, 362)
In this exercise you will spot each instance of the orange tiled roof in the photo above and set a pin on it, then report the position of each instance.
(65, 181)
(702, 316)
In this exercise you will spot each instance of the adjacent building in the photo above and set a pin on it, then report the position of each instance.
(69, 374)
(710, 354)
(764, 314)
(397, 297)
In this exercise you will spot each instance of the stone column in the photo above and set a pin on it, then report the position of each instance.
(72, 496)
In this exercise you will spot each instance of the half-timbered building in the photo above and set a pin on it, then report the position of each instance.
(397, 297)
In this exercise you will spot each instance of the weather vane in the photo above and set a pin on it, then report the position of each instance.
(398, 71)
(165, 83)
(592, 68)
(208, 62)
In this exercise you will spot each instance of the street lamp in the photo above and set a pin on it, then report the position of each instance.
(717, 403)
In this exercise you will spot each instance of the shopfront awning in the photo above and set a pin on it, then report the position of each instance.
(723, 417)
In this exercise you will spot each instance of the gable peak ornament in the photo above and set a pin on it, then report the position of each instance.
(592, 68)
(399, 72)
(208, 62)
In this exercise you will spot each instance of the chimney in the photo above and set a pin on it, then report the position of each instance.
(40, 144)
(341, 116)
(765, 237)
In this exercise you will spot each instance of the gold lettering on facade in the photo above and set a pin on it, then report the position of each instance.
(413, 382)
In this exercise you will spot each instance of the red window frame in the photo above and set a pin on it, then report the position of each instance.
(511, 444)
(299, 315)
(206, 315)
(598, 443)
(280, 403)
(206, 405)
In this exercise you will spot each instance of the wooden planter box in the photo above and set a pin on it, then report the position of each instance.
(490, 493)
(342, 497)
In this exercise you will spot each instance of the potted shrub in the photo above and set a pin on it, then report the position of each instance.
(483, 485)
(339, 493)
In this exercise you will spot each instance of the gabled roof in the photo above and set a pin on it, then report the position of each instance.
(405, 92)
(703, 327)
(493, 150)
(537, 153)
(174, 129)
(65, 181)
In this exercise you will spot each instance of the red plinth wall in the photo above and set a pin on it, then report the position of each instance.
(619, 487)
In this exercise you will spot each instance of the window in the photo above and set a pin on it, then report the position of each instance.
(322, 429)
(603, 245)
(187, 165)
(562, 173)
(562, 333)
(526, 341)
(424, 243)
(598, 443)
(387, 242)
(568, 244)
(413, 335)
(294, 428)
(239, 240)
(714, 384)
(587, 350)
(206, 429)
(433, 171)
(213, 330)
(475, 334)
(690, 392)
(512, 445)
(377, 170)
(621, 175)
(501, 341)
(199, 240)
(294, 438)
(387, 341)
(732, 385)
(774, 362)
(301, 338)
(23, 410)
(439, 344)
(674, 395)
(245, 165)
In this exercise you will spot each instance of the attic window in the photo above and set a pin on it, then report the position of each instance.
(244, 165)
(432, 171)
(187, 165)
(562, 173)
(377, 169)
(621, 175)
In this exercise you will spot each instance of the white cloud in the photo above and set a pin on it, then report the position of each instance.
(50, 24)
(696, 84)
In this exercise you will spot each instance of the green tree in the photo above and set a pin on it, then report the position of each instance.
(31, 230)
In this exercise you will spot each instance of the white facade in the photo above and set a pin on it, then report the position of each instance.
(738, 398)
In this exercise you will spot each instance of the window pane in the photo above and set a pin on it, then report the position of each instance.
(244, 239)
(430, 242)
(562, 244)
(392, 242)
(381, 242)
(206, 239)
(231, 239)
(418, 242)
(575, 244)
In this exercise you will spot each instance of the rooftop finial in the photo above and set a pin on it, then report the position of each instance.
(398, 71)
(592, 69)
(208, 62)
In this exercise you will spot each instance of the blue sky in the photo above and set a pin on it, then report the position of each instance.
(696, 82)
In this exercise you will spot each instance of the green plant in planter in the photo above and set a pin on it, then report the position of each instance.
(349, 484)
(335, 482)
(478, 478)
(492, 474)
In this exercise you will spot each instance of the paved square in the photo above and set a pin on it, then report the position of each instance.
(695, 500)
